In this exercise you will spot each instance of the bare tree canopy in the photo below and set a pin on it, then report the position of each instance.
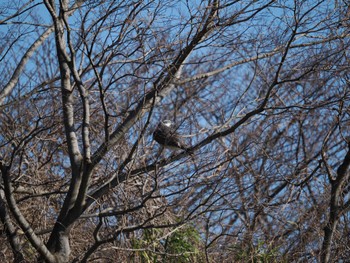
(258, 92)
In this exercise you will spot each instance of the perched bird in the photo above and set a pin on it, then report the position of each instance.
(166, 135)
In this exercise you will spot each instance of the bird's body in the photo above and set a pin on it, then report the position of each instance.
(166, 136)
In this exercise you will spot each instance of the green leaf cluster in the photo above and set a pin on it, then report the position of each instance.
(181, 246)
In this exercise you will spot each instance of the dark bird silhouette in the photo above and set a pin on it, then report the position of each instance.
(166, 135)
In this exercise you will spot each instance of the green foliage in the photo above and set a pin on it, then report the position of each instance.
(181, 246)
(260, 253)
(184, 244)
(145, 246)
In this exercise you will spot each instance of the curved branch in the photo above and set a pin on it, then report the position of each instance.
(16, 74)
(10, 230)
(35, 241)
(335, 211)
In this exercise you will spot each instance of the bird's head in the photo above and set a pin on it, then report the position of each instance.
(167, 123)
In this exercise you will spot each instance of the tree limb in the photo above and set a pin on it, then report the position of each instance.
(16, 74)
(35, 241)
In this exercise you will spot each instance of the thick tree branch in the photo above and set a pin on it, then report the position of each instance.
(58, 240)
(337, 185)
(35, 241)
(17, 73)
(10, 230)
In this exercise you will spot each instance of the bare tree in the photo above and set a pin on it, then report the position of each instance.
(259, 89)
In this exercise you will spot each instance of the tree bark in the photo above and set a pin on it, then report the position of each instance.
(337, 185)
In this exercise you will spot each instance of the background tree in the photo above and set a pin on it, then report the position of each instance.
(260, 89)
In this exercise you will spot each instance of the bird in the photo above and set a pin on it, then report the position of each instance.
(166, 135)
